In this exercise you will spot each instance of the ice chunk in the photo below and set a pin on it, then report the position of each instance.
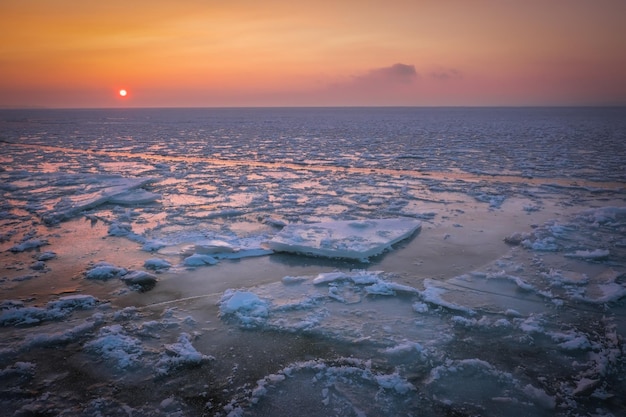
(59, 338)
(389, 288)
(293, 280)
(604, 293)
(104, 271)
(432, 294)
(358, 240)
(571, 340)
(28, 245)
(38, 266)
(181, 353)
(23, 369)
(153, 245)
(517, 238)
(198, 259)
(19, 315)
(246, 306)
(589, 255)
(347, 386)
(156, 264)
(559, 278)
(141, 279)
(119, 229)
(46, 256)
(116, 346)
(214, 246)
(82, 192)
(134, 196)
(539, 397)
(547, 244)
(585, 386)
(73, 302)
(327, 277)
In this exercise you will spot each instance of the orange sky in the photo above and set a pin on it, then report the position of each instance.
(66, 53)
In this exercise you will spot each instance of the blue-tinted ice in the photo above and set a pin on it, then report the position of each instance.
(141, 271)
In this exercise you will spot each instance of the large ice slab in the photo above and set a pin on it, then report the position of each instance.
(356, 239)
(81, 192)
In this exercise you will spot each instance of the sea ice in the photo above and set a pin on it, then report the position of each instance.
(510, 339)
(113, 344)
(134, 196)
(156, 264)
(28, 245)
(214, 246)
(433, 294)
(46, 256)
(104, 271)
(198, 259)
(589, 255)
(181, 353)
(18, 314)
(354, 239)
(246, 306)
(346, 386)
(140, 279)
(82, 192)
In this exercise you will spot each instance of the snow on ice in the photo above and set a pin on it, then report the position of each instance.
(344, 239)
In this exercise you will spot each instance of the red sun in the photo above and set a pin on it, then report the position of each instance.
(123, 93)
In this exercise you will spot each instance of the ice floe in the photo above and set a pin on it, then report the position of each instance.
(180, 354)
(82, 192)
(346, 386)
(104, 271)
(114, 345)
(358, 239)
(18, 315)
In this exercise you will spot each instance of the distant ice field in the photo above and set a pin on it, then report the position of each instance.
(317, 261)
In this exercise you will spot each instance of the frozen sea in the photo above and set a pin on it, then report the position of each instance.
(313, 261)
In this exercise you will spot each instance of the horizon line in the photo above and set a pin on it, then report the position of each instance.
(35, 107)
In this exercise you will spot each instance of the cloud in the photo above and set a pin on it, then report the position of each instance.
(394, 74)
(390, 85)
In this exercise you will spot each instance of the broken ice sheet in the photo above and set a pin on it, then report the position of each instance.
(346, 385)
(348, 306)
(356, 239)
(60, 196)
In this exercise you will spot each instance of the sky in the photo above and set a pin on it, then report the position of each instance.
(222, 53)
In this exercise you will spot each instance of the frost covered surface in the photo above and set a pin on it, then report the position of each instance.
(142, 272)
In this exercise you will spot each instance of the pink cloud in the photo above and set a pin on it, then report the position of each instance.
(394, 74)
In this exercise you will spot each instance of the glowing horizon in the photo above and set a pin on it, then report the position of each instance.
(198, 53)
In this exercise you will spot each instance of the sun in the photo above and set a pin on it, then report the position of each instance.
(123, 93)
